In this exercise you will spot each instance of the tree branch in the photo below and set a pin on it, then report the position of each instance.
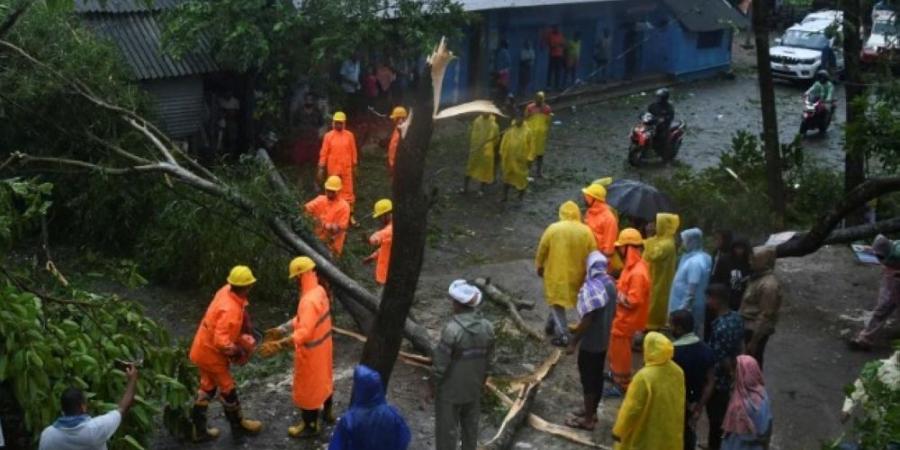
(805, 243)
(13, 18)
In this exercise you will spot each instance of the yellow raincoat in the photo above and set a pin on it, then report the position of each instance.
(562, 253)
(515, 149)
(652, 415)
(537, 118)
(482, 142)
(661, 257)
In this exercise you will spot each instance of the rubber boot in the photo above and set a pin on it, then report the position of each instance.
(328, 412)
(306, 428)
(200, 432)
(241, 427)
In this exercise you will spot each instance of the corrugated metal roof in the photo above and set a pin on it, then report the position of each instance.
(138, 36)
(482, 5)
(123, 6)
(706, 15)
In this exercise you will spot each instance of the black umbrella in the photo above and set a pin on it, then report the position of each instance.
(637, 199)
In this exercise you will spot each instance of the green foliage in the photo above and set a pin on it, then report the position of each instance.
(48, 346)
(878, 131)
(21, 201)
(714, 199)
(283, 43)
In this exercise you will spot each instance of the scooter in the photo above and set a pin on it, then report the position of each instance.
(816, 115)
(643, 137)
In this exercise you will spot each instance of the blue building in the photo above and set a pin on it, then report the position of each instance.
(678, 38)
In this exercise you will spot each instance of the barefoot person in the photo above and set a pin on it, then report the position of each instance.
(596, 307)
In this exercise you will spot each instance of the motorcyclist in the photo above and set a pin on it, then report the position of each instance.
(664, 113)
(822, 89)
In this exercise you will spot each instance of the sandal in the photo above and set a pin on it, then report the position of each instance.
(581, 424)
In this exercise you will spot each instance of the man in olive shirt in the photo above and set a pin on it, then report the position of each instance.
(461, 362)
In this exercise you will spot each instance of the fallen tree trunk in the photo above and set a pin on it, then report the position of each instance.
(492, 290)
(495, 295)
(808, 242)
(516, 415)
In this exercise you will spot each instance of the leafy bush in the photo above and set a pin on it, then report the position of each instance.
(875, 398)
(714, 199)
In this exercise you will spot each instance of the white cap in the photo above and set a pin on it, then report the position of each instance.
(465, 294)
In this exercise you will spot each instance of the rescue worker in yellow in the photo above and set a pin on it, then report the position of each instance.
(515, 150)
(383, 239)
(652, 415)
(398, 116)
(661, 257)
(309, 334)
(332, 215)
(561, 253)
(537, 118)
(224, 337)
(483, 139)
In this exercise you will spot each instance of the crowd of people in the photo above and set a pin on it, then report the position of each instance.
(702, 322)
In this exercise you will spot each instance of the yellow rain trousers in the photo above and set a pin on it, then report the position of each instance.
(482, 142)
(539, 124)
(652, 415)
(515, 149)
(562, 253)
(662, 259)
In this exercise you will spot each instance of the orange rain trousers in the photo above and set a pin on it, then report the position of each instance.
(330, 214)
(313, 357)
(393, 145)
(338, 157)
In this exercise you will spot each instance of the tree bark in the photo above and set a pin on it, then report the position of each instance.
(855, 154)
(408, 248)
(775, 182)
(821, 233)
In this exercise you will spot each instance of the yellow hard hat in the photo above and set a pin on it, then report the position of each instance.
(540, 95)
(333, 183)
(241, 276)
(399, 113)
(595, 191)
(605, 181)
(629, 236)
(300, 265)
(339, 117)
(382, 207)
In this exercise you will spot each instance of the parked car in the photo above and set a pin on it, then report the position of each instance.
(883, 43)
(809, 46)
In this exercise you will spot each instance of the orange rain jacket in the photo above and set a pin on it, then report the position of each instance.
(634, 284)
(313, 358)
(384, 238)
(219, 332)
(393, 145)
(330, 214)
(604, 225)
(338, 157)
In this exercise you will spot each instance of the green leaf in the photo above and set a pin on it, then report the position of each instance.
(133, 442)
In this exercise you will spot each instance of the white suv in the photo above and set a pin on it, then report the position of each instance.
(799, 53)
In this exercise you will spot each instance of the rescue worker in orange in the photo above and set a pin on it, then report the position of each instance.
(383, 238)
(338, 157)
(398, 116)
(632, 308)
(332, 215)
(600, 218)
(223, 337)
(309, 334)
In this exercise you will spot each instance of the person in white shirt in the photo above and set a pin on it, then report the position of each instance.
(350, 75)
(76, 430)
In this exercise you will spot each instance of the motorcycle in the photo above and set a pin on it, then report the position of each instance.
(816, 115)
(643, 137)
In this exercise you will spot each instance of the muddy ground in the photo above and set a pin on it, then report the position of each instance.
(472, 236)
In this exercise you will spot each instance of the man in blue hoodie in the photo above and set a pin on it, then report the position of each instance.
(691, 278)
(370, 423)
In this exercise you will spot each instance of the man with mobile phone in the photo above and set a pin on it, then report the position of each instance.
(77, 430)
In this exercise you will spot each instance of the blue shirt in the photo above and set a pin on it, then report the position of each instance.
(726, 341)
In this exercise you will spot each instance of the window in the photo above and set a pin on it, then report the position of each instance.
(710, 39)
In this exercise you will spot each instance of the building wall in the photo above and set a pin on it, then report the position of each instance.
(179, 104)
(644, 40)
